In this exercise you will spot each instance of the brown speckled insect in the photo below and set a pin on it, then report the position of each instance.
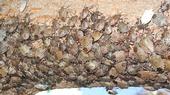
(165, 6)
(85, 12)
(63, 13)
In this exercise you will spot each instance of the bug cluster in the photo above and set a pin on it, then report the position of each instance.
(88, 49)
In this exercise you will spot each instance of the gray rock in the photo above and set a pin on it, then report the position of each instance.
(2, 35)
